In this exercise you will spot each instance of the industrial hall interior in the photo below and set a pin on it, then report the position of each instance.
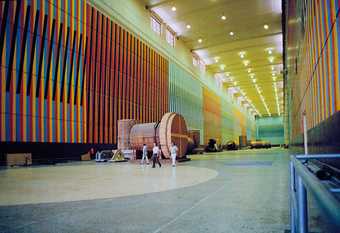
(159, 116)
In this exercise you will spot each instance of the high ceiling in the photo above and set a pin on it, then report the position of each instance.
(220, 32)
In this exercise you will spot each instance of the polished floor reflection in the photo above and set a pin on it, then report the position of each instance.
(242, 191)
(93, 181)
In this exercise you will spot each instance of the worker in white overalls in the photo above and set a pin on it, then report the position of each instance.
(173, 152)
(156, 153)
(145, 155)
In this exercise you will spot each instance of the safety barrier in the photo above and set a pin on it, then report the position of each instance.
(303, 181)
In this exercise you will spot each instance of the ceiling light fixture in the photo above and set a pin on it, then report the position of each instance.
(173, 8)
(246, 62)
(223, 17)
(277, 99)
(231, 33)
(242, 54)
(200, 40)
(249, 70)
(266, 26)
(188, 26)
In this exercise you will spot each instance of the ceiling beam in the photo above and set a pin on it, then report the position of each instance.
(236, 41)
(205, 8)
(238, 49)
(150, 6)
(209, 67)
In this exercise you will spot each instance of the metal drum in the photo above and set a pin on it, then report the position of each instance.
(124, 128)
(143, 134)
(171, 128)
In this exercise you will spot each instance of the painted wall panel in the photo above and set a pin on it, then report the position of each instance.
(270, 129)
(227, 123)
(212, 116)
(186, 97)
(68, 73)
(207, 109)
(314, 85)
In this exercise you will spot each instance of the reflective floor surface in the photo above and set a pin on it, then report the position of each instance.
(241, 191)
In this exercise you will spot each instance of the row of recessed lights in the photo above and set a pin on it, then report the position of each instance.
(234, 83)
(200, 40)
(259, 91)
(252, 76)
(244, 94)
(188, 26)
(231, 33)
(274, 77)
(254, 110)
(277, 99)
(223, 17)
(246, 63)
(252, 105)
(222, 66)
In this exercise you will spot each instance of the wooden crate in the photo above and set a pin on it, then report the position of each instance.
(19, 159)
(86, 157)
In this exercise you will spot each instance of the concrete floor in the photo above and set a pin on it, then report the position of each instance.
(241, 191)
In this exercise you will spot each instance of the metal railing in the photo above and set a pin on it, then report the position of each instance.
(303, 180)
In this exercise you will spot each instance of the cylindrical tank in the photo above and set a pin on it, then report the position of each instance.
(124, 128)
(171, 128)
(194, 134)
(143, 134)
(243, 141)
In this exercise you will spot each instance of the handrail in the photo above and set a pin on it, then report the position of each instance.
(303, 180)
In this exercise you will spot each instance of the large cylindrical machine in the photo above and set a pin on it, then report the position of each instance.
(146, 133)
(194, 134)
(124, 128)
(172, 128)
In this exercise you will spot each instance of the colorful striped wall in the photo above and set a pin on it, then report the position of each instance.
(314, 78)
(68, 73)
(186, 97)
(212, 116)
(228, 124)
(207, 109)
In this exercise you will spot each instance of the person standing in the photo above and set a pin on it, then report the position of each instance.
(155, 155)
(145, 155)
(173, 152)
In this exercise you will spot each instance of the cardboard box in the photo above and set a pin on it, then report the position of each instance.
(85, 157)
(19, 159)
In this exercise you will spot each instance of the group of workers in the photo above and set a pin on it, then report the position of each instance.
(156, 154)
